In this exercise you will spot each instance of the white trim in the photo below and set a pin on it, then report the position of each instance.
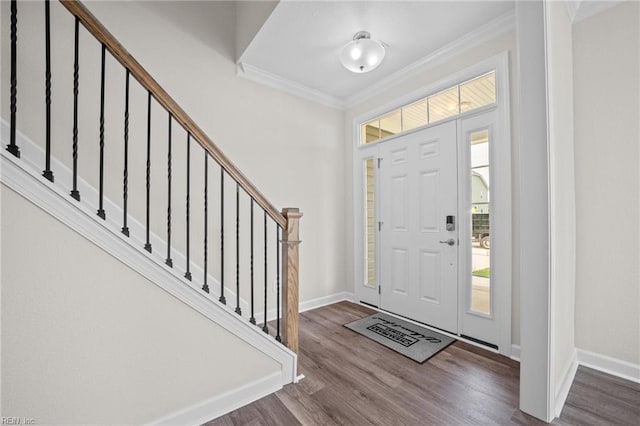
(562, 388)
(18, 175)
(572, 8)
(515, 352)
(220, 405)
(606, 364)
(259, 75)
(498, 26)
(536, 396)
(586, 9)
(326, 300)
(312, 304)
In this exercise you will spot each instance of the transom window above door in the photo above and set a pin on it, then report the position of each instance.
(464, 97)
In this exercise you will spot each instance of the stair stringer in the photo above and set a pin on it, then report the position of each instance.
(23, 176)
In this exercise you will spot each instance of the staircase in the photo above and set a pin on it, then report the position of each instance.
(224, 252)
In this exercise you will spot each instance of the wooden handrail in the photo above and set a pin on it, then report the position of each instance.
(162, 97)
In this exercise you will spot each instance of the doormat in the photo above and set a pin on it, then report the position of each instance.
(410, 340)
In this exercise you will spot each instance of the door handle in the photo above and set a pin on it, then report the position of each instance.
(450, 241)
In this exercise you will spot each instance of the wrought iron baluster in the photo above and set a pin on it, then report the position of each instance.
(76, 77)
(12, 147)
(169, 262)
(265, 327)
(187, 274)
(47, 173)
(125, 180)
(278, 338)
(205, 286)
(222, 299)
(238, 310)
(147, 245)
(101, 213)
(252, 320)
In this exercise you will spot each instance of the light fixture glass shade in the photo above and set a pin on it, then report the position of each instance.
(362, 54)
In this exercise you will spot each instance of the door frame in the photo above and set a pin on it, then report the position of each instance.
(502, 206)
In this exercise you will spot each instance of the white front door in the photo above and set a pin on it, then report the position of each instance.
(418, 254)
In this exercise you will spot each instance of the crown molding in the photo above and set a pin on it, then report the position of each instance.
(498, 26)
(585, 9)
(259, 75)
(572, 8)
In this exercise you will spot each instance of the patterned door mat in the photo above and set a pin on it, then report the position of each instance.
(413, 341)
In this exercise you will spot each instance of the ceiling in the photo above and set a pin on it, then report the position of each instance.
(298, 45)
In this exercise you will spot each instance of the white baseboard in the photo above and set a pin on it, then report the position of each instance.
(220, 405)
(515, 352)
(615, 367)
(326, 300)
(568, 374)
(308, 305)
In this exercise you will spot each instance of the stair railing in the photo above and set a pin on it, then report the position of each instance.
(286, 221)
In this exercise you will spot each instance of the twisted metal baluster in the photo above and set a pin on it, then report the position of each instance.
(278, 338)
(238, 310)
(101, 213)
(76, 74)
(125, 180)
(147, 245)
(205, 286)
(222, 299)
(168, 261)
(252, 320)
(265, 327)
(47, 173)
(187, 274)
(12, 147)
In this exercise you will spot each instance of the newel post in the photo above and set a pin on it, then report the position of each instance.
(290, 263)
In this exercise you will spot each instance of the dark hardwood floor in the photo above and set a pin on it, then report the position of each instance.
(351, 380)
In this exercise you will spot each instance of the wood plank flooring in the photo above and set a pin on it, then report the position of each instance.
(351, 380)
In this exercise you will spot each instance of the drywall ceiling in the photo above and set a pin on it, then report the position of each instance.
(299, 43)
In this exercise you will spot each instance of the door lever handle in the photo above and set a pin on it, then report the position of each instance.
(450, 241)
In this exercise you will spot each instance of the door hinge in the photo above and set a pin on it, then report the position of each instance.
(380, 225)
(379, 161)
(379, 287)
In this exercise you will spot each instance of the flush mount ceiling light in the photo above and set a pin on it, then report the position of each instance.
(362, 54)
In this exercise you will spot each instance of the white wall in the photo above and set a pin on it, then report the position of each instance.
(289, 147)
(502, 43)
(250, 16)
(606, 70)
(562, 197)
(85, 340)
